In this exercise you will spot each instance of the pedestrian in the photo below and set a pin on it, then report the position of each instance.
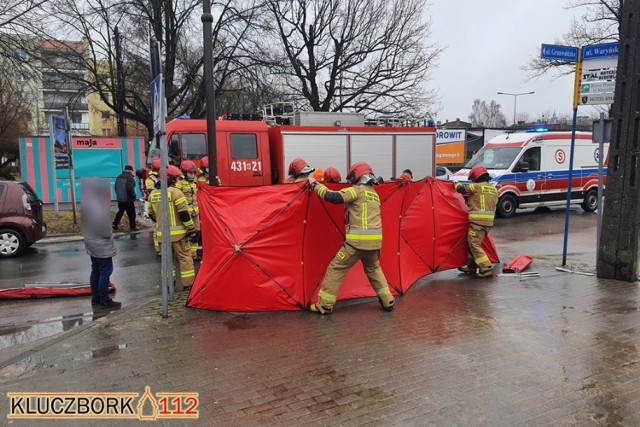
(126, 196)
(98, 240)
(482, 201)
(182, 230)
(299, 170)
(332, 175)
(363, 238)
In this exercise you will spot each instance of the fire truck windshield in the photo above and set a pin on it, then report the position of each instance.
(194, 146)
(494, 157)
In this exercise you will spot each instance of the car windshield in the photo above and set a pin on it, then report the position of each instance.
(494, 157)
(194, 146)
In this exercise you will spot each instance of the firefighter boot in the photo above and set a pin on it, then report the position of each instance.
(469, 269)
(319, 309)
(485, 272)
(387, 302)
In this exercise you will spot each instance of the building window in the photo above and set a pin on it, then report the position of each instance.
(76, 117)
(106, 115)
(105, 132)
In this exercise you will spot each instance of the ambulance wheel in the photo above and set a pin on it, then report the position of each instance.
(590, 202)
(507, 206)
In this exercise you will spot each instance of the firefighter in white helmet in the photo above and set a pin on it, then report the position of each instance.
(182, 230)
(299, 170)
(482, 201)
(363, 238)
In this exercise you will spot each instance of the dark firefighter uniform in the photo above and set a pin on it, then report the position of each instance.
(363, 242)
(483, 197)
(180, 225)
(190, 189)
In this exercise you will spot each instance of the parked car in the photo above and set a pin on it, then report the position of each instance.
(443, 173)
(21, 218)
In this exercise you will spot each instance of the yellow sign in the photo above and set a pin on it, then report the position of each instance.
(149, 406)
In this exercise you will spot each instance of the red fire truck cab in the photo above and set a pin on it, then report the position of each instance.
(250, 153)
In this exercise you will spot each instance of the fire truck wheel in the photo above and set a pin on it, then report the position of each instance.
(590, 202)
(507, 206)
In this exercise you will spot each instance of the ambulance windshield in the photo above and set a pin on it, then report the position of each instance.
(494, 157)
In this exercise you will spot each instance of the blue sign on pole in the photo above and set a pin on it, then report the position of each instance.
(604, 50)
(157, 104)
(560, 53)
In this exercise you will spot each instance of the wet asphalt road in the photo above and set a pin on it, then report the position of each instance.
(136, 269)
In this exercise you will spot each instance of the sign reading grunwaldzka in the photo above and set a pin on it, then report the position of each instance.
(559, 53)
(58, 132)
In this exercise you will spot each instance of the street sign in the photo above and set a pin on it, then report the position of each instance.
(597, 87)
(560, 53)
(596, 98)
(599, 51)
(157, 104)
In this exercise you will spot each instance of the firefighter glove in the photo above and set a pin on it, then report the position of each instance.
(194, 236)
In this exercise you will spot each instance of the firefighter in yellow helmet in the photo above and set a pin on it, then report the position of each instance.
(299, 170)
(482, 201)
(181, 226)
(189, 188)
(363, 238)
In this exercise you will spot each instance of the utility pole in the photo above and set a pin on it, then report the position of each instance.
(618, 251)
(207, 21)
(119, 89)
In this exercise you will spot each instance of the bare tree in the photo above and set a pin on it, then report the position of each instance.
(487, 115)
(14, 117)
(354, 55)
(17, 19)
(599, 23)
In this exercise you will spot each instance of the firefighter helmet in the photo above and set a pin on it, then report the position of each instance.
(204, 162)
(173, 172)
(358, 170)
(188, 166)
(476, 172)
(155, 164)
(319, 175)
(298, 167)
(332, 174)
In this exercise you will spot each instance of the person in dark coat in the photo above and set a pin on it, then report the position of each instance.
(126, 195)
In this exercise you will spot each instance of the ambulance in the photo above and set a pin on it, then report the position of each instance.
(531, 169)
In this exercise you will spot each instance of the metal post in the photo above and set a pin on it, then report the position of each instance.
(576, 102)
(72, 179)
(600, 183)
(207, 20)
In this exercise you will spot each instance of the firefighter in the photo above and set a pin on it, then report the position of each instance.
(332, 175)
(181, 226)
(482, 200)
(151, 183)
(203, 176)
(363, 238)
(189, 188)
(299, 170)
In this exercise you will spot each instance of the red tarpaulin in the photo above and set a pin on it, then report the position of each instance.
(49, 291)
(267, 248)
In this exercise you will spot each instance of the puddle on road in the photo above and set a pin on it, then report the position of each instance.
(134, 235)
(16, 334)
(239, 323)
(101, 352)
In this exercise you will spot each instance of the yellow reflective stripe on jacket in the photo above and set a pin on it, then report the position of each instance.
(488, 189)
(351, 236)
(173, 231)
(383, 292)
(187, 273)
(321, 190)
(365, 216)
(482, 260)
(351, 192)
(331, 299)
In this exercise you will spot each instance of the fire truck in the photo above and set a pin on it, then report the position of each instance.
(256, 152)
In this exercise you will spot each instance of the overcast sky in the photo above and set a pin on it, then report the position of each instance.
(487, 42)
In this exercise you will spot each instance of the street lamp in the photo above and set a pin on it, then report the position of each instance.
(515, 98)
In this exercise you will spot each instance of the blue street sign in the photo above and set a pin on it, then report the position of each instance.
(156, 103)
(560, 53)
(604, 50)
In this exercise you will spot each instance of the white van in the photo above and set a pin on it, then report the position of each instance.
(531, 169)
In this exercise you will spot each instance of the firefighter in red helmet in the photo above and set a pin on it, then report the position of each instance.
(363, 238)
(203, 176)
(189, 188)
(482, 201)
(181, 226)
(332, 175)
(299, 170)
